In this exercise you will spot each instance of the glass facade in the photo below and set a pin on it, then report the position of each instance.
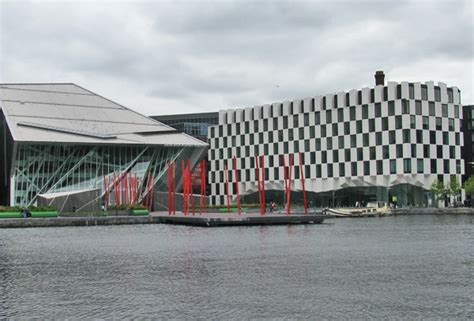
(50, 168)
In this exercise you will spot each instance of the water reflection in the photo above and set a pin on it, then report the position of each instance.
(397, 267)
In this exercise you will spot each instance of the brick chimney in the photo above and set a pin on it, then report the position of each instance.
(379, 78)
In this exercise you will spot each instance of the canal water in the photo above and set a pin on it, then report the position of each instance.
(367, 268)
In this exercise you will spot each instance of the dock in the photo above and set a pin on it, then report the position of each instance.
(247, 219)
(204, 220)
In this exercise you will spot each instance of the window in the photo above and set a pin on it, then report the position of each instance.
(378, 138)
(444, 110)
(426, 151)
(342, 170)
(393, 166)
(306, 119)
(412, 121)
(372, 153)
(328, 116)
(431, 109)
(439, 152)
(340, 115)
(432, 137)
(456, 111)
(450, 95)
(318, 144)
(359, 126)
(391, 108)
(335, 156)
(385, 93)
(399, 149)
(359, 97)
(425, 122)
(366, 168)
(365, 139)
(452, 152)
(330, 171)
(312, 104)
(405, 106)
(438, 123)
(312, 132)
(312, 157)
(418, 107)
(317, 118)
(391, 137)
(385, 152)
(419, 136)
(318, 171)
(347, 128)
(347, 155)
(353, 141)
(378, 110)
(411, 91)
(406, 136)
(399, 91)
(365, 111)
(295, 121)
(420, 166)
(385, 123)
(407, 165)
(433, 165)
(451, 124)
(347, 100)
(285, 121)
(352, 113)
(398, 122)
(437, 93)
(413, 150)
(329, 143)
(445, 138)
(354, 168)
(335, 130)
(424, 92)
(372, 125)
(340, 142)
(379, 167)
(360, 154)
(323, 130)
(446, 166)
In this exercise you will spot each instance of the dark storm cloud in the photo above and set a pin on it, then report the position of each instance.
(165, 57)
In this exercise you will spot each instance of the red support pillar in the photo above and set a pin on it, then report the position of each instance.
(264, 199)
(302, 184)
(169, 189)
(289, 184)
(174, 187)
(227, 188)
(183, 180)
(257, 168)
(236, 174)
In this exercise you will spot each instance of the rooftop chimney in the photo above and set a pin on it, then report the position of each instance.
(379, 78)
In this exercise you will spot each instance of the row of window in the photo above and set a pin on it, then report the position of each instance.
(330, 173)
(295, 108)
(383, 121)
(341, 142)
(346, 155)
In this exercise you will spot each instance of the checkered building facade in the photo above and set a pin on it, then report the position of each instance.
(400, 133)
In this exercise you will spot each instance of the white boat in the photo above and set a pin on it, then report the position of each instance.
(371, 210)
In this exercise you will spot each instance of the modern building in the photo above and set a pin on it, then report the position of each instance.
(60, 140)
(195, 125)
(468, 131)
(358, 146)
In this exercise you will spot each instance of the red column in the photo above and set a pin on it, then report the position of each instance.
(264, 199)
(227, 188)
(258, 183)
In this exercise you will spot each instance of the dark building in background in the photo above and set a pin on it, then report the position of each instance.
(195, 125)
(468, 131)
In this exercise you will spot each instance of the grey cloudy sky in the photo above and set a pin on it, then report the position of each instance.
(164, 57)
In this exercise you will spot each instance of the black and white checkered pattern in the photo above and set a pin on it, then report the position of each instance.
(381, 136)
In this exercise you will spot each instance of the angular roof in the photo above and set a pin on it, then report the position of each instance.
(68, 113)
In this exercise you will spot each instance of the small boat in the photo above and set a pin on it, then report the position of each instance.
(373, 209)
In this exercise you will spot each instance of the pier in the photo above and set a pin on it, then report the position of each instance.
(204, 220)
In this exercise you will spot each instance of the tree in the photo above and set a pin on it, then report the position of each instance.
(438, 190)
(454, 187)
(469, 185)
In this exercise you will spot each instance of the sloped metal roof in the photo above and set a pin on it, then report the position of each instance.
(68, 113)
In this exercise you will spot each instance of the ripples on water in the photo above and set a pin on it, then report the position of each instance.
(395, 267)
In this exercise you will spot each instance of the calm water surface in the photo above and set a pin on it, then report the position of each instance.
(395, 267)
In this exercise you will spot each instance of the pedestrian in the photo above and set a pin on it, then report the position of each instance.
(272, 206)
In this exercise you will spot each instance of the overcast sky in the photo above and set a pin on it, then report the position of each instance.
(161, 57)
